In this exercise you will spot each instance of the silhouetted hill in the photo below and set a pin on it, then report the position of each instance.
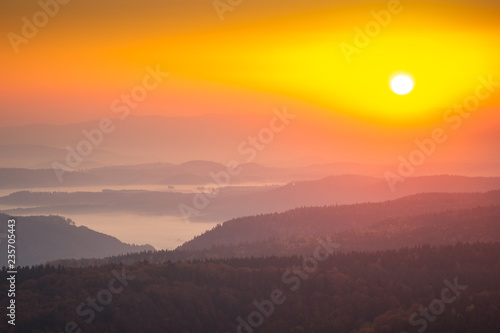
(331, 219)
(44, 238)
(446, 228)
(348, 189)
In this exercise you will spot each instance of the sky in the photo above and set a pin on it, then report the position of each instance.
(316, 56)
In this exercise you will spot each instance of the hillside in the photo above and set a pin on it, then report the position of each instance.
(355, 292)
(45, 238)
(471, 225)
(331, 219)
(479, 224)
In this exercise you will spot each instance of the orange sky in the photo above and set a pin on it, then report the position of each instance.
(261, 55)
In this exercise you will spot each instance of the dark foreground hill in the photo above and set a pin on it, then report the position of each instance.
(437, 290)
(45, 238)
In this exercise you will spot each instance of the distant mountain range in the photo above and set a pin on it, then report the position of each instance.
(40, 239)
(147, 139)
(234, 202)
(216, 137)
(188, 173)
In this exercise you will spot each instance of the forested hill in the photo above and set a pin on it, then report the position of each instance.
(480, 224)
(355, 292)
(331, 219)
(44, 238)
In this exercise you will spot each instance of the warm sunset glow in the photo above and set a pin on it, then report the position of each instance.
(308, 165)
(73, 73)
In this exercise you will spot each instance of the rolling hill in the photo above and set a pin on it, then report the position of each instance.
(315, 221)
(45, 238)
(407, 222)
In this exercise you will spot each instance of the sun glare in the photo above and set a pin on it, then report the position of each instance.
(402, 84)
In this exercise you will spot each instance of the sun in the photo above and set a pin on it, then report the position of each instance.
(402, 84)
